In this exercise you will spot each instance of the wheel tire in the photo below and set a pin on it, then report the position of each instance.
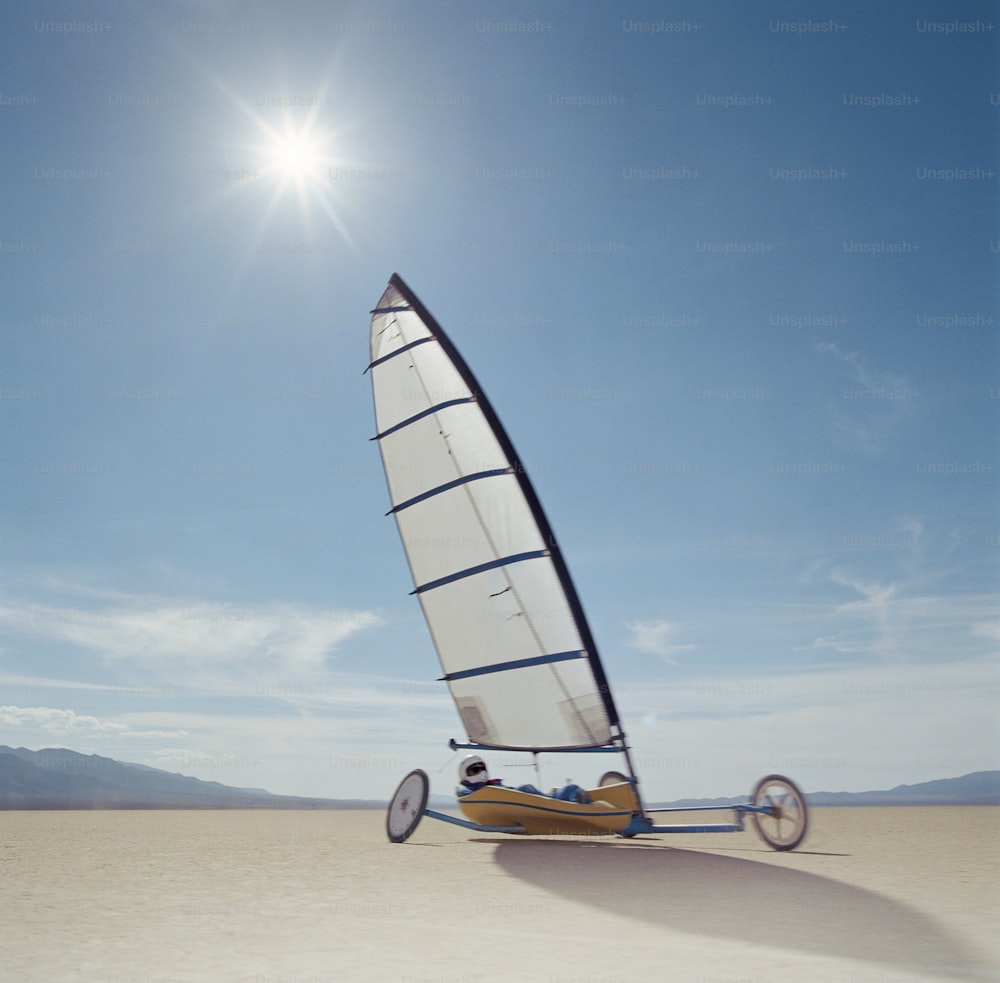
(406, 807)
(611, 778)
(784, 828)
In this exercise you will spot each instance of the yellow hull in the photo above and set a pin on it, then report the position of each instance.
(609, 812)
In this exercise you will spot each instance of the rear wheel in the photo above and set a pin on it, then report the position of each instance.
(611, 778)
(406, 808)
(783, 826)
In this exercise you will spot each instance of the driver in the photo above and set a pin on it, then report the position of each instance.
(472, 775)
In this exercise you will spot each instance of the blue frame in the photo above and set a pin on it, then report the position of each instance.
(638, 824)
(640, 821)
(604, 749)
(468, 824)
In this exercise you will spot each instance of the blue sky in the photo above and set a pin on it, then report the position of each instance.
(727, 272)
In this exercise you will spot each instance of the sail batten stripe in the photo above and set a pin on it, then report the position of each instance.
(448, 486)
(400, 350)
(430, 411)
(503, 561)
(538, 660)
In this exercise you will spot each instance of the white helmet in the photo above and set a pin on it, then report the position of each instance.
(473, 770)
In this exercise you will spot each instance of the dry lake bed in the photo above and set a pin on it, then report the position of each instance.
(872, 896)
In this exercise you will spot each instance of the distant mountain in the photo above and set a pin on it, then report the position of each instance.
(56, 778)
(980, 788)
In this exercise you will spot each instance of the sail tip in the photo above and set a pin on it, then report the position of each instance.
(399, 283)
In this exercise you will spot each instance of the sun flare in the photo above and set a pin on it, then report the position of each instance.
(297, 157)
(293, 157)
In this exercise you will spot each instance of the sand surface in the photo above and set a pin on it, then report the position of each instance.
(872, 896)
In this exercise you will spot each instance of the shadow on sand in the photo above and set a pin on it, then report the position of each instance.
(738, 899)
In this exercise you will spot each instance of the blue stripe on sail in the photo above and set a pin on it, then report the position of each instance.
(398, 351)
(392, 310)
(428, 412)
(504, 561)
(448, 486)
(538, 660)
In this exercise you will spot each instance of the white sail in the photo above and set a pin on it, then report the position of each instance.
(509, 630)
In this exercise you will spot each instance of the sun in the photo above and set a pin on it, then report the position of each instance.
(292, 156)
(297, 157)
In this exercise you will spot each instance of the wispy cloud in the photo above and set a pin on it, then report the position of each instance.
(11, 680)
(56, 722)
(987, 629)
(891, 597)
(874, 609)
(173, 638)
(888, 623)
(871, 405)
(850, 727)
(655, 638)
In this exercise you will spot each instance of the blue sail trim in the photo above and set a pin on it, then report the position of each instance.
(430, 411)
(398, 351)
(538, 660)
(448, 487)
(504, 561)
(391, 310)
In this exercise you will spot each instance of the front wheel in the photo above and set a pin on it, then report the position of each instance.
(406, 808)
(783, 825)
